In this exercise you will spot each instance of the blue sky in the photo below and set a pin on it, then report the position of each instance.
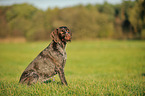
(44, 4)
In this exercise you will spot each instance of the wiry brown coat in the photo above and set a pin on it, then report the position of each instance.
(50, 61)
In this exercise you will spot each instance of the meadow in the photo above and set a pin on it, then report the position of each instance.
(99, 67)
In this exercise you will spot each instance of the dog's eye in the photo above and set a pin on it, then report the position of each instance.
(67, 31)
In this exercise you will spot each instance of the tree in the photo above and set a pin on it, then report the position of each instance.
(136, 17)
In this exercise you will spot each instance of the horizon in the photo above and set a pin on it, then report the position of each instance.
(45, 4)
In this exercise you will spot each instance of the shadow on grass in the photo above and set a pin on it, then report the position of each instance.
(143, 74)
(53, 82)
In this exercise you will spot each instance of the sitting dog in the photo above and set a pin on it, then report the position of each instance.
(50, 61)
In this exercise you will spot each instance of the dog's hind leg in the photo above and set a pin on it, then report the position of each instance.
(29, 78)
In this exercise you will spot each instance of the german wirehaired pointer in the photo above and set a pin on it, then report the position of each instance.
(50, 61)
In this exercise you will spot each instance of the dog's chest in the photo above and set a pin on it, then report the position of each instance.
(64, 55)
(61, 53)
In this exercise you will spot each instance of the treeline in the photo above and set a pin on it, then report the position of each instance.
(121, 21)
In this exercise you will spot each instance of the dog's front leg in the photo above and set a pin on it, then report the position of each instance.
(62, 76)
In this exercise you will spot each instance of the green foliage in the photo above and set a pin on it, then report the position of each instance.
(137, 17)
(18, 18)
(92, 68)
(85, 22)
(23, 10)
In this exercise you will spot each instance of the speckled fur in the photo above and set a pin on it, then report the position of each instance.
(49, 62)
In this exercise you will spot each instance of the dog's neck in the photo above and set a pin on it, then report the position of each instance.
(61, 44)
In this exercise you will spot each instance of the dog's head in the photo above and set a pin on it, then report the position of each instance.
(62, 34)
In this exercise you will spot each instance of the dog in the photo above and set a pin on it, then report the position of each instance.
(50, 61)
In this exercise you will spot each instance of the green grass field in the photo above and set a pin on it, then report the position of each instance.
(93, 68)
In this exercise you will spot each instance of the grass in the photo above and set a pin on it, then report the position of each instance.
(92, 68)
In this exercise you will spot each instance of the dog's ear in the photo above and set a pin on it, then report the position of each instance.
(54, 36)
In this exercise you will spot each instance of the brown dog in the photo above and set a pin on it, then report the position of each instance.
(50, 61)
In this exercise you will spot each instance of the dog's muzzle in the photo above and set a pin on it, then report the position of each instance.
(68, 36)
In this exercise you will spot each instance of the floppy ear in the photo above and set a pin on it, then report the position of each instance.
(54, 35)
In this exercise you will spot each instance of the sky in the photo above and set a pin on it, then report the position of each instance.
(45, 4)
